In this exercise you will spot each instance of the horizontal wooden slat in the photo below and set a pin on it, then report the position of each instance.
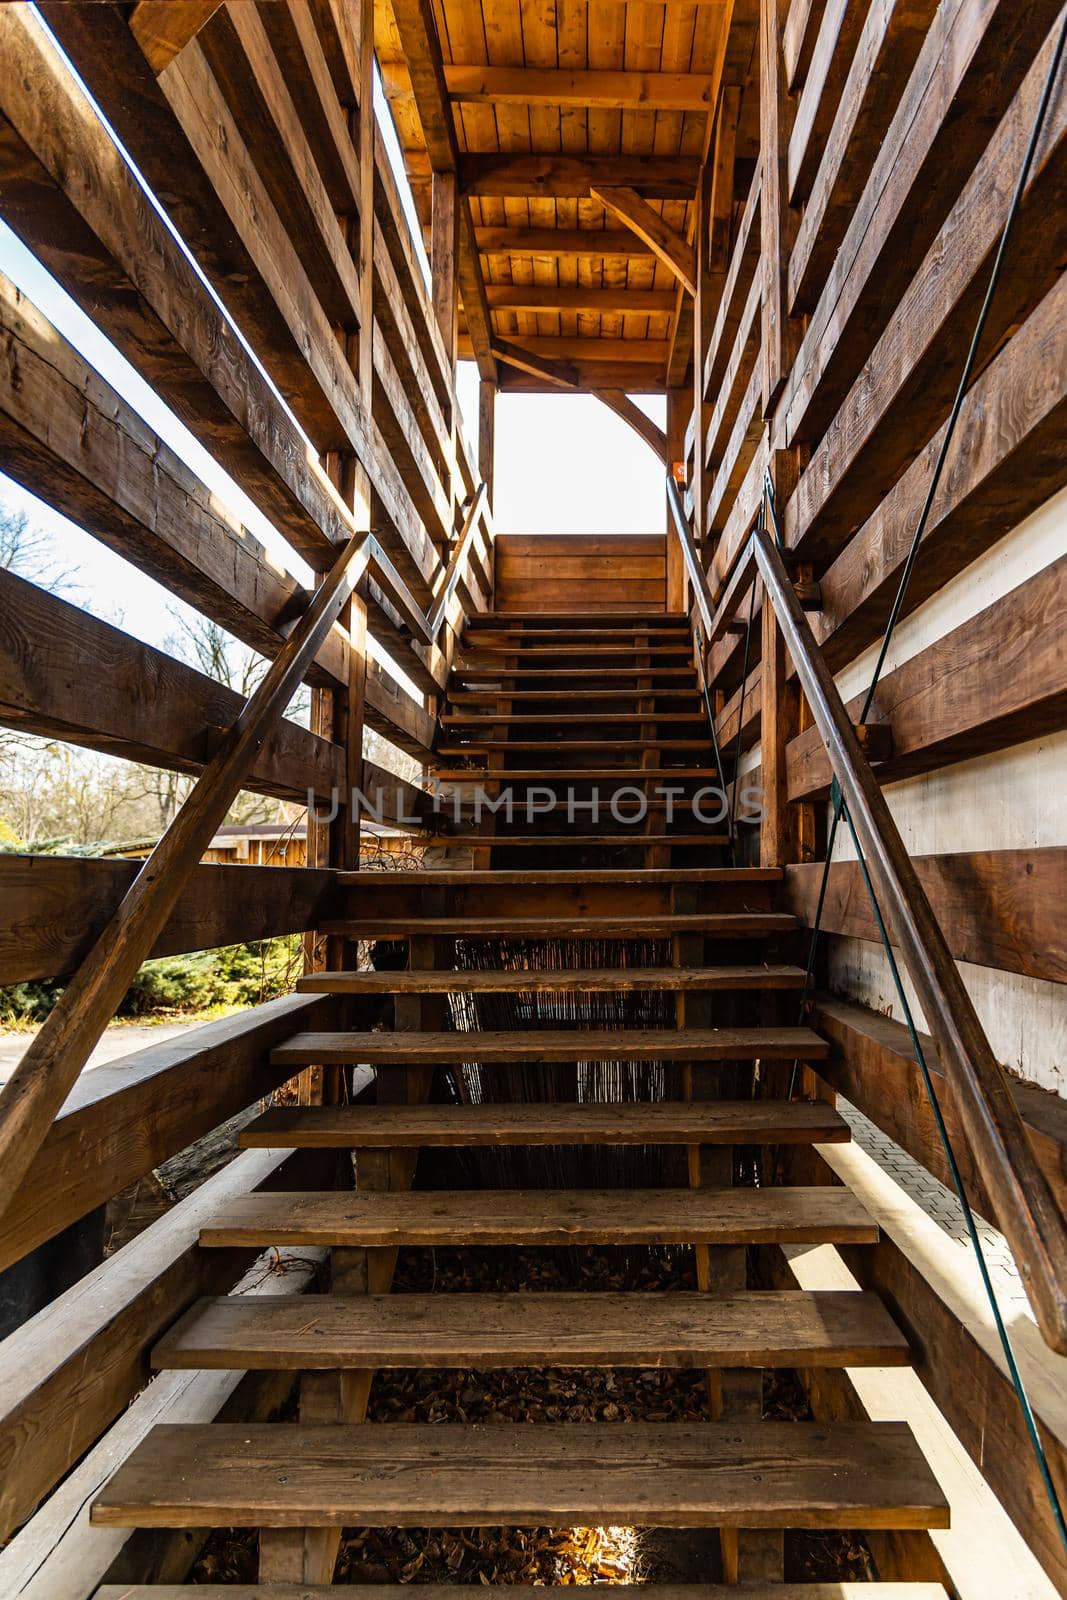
(944, 705)
(566, 1123)
(543, 1217)
(578, 1044)
(138, 702)
(997, 908)
(872, 1062)
(436, 1591)
(563, 176)
(529, 980)
(562, 242)
(791, 1474)
(554, 86)
(66, 1373)
(56, 905)
(124, 1120)
(482, 1331)
(724, 878)
(716, 925)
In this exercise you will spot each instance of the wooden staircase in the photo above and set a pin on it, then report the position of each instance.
(713, 951)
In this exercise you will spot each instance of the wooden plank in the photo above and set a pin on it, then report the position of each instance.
(123, 1121)
(666, 244)
(650, 1591)
(715, 925)
(944, 706)
(717, 1122)
(543, 1217)
(58, 904)
(967, 72)
(598, 302)
(561, 242)
(1005, 460)
(554, 86)
(873, 1064)
(908, 383)
(578, 1044)
(605, 980)
(519, 175)
(790, 1474)
(997, 908)
(591, 878)
(140, 703)
(71, 1370)
(767, 1329)
(163, 28)
(835, 46)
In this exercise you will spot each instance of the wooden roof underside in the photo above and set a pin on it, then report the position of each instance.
(605, 95)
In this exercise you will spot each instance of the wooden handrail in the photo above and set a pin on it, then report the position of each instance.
(456, 560)
(694, 571)
(47, 1072)
(1032, 1221)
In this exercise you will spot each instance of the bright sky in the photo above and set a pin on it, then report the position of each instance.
(564, 463)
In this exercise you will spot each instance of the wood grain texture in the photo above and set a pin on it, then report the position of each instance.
(528, 980)
(789, 1474)
(436, 1591)
(544, 1217)
(717, 925)
(504, 1123)
(585, 1044)
(766, 1329)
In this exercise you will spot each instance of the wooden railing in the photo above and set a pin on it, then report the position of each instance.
(1030, 1217)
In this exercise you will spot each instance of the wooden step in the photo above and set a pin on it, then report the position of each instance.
(568, 674)
(460, 697)
(630, 840)
(552, 1044)
(630, 718)
(767, 1328)
(752, 1474)
(531, 648)
(481, 636)
(714, 924)
(712, 1122)
(633, 775)
(601, 980)
(549, 877)
(444, 1591)
(569, 746)
(822, 1215)
(576, 619)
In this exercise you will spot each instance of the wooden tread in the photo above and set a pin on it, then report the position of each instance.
(765, 1328)
(459, 697)
(757, 1474)
(568, 746)
(601, 980)
(640, 775)
(558, 674)
(516, 1591)
(821, 1215)
(531, 648)
(581, 841)
(548, 877)
(629, 717)
(359, 1127)
(487, 925)
(564, 1044)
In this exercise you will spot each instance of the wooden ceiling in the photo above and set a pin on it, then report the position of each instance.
(577, 132)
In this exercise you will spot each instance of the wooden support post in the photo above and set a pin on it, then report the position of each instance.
(443, 257)
(715, 198)
(487, 435)
(778, 222)
(678, 405)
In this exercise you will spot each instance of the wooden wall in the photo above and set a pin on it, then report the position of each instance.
(580, 572)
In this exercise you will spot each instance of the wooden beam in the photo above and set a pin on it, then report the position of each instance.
(43, 1078)
(555, 373)
(164, 27)
(443, 253)
(997, 908)
(666, 244)
(563, 242)
(418, 37)
(599, 302)
(556, 348)
(873, 1064)
(942, 708)
(835, 46)
(618, 401)
(138, 702)
(632, 377)
(572, 177)
(487, 436)
(550, 86)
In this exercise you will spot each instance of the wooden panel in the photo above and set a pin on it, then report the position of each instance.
(503, 1123)
(437, 1591)
(55, 906)
(122, 1121)
(544, 1217)
(790, 1474)
(873, 1064)
(771, 1329)
(546, 573)
(573, 981)
(997, 908)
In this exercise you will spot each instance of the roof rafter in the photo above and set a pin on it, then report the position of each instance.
(554, 176)
(554, 86)
(665, 242)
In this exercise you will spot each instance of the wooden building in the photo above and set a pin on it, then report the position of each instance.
(832, 234)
